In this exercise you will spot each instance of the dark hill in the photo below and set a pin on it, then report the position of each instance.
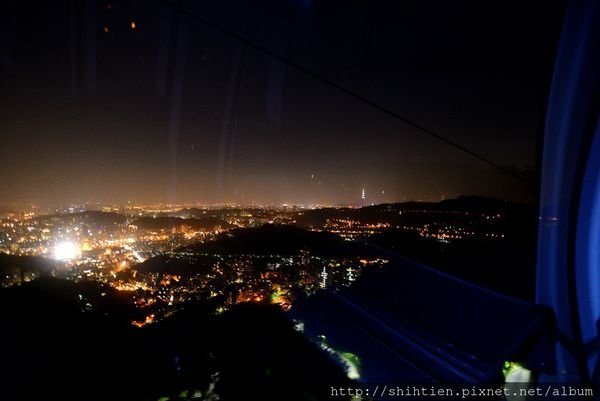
(72, 353)
(93, 218)
(32, 264)
(174, 265)
(456, 210)
(207, 223)
(280, 240)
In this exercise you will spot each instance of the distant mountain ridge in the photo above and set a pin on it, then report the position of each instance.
(390, 212)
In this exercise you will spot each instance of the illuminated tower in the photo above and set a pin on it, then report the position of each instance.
(363, 197)
(350, 276)
(323, 283)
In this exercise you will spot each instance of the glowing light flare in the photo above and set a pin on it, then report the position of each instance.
(66, 251)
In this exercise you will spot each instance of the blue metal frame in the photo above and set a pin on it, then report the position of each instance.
(569, 218)
(588, 254)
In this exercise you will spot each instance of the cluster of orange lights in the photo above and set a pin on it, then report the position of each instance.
(149, 320)
(106, 29)
(132, 25)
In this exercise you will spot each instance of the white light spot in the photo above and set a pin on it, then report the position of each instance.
(65, 251)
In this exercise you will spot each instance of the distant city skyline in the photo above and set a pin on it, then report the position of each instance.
(106, 206)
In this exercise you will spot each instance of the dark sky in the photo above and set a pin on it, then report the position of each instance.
(93, 109)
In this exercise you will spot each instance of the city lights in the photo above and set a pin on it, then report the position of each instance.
(165, 261)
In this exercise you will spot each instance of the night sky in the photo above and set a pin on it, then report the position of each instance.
(116, 101)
